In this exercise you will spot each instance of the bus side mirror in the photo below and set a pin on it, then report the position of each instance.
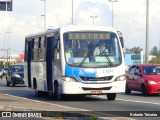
(121, 38)
(122, 42)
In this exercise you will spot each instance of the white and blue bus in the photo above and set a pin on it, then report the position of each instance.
(61, 61)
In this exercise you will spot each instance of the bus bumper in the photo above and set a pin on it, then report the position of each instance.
(81, 88)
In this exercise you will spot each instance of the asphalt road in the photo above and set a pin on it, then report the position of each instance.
(128, 103)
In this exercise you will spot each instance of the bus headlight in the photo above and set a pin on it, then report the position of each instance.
(69, 79)
(121, 78)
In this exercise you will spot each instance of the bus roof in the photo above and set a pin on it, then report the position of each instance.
(74, 28)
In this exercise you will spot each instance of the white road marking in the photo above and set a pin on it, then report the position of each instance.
(134, 101)
(49, 103)
(78, 109)
(139, 101)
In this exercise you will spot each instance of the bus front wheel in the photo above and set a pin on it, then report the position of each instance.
(111, 96)
(57, 93)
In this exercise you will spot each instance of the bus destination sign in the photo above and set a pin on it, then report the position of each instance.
(89, 36)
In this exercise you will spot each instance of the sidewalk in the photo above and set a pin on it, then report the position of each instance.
(24, 106)
(12, 103)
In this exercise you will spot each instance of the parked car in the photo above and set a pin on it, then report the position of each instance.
(144, 78)
(1, 73)
(15, 75)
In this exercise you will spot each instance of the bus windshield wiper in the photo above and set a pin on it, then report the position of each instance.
(84, 59)
(108, 59)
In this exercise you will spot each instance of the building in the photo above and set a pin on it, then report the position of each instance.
(13, 58)
(132, 58)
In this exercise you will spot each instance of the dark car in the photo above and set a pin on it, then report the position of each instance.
(15, 75)
(143, 78)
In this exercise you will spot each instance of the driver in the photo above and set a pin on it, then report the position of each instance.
(100, 50)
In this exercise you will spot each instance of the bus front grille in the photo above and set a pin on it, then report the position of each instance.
(107, 78)
(104, 88)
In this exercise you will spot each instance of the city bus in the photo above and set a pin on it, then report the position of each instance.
(61, 61)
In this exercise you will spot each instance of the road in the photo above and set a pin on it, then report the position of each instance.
(134, 102)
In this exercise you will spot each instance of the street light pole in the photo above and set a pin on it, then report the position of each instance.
(72, 12)
(112, 11)
(4, 52)
(44, 15)
(93, 17)
(7, 33)
(147, 30)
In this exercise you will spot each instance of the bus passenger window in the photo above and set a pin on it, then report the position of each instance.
(57, 51)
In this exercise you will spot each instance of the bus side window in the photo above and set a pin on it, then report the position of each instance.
(26, 49)
(32, 54)
(36, 41)
(57, 50)
(42, 49)
(56, 55)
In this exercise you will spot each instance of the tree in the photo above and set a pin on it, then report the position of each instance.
(136, 50)
(155, 51)
(1, 64)
(155, 60)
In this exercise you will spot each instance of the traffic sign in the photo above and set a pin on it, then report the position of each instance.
(6, 5)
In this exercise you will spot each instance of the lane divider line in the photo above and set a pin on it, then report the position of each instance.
(134, 101)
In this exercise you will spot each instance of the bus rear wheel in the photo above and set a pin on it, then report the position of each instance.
(111, 96)
(38, 93)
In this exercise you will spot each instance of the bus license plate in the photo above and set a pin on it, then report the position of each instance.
(96, 91)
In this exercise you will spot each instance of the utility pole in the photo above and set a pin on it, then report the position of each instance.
(44, 15)
(112, 11)
(147, 30)
(72, 12)
(93, 17)
(7, 33)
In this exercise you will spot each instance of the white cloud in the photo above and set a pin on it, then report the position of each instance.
(129, 17)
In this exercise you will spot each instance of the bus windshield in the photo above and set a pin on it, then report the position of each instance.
(92, 49)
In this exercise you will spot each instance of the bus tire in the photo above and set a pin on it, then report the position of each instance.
(34, 83)
(57, 92)
(37, 92)
(111, 96)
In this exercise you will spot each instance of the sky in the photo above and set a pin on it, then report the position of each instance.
(129, 17)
